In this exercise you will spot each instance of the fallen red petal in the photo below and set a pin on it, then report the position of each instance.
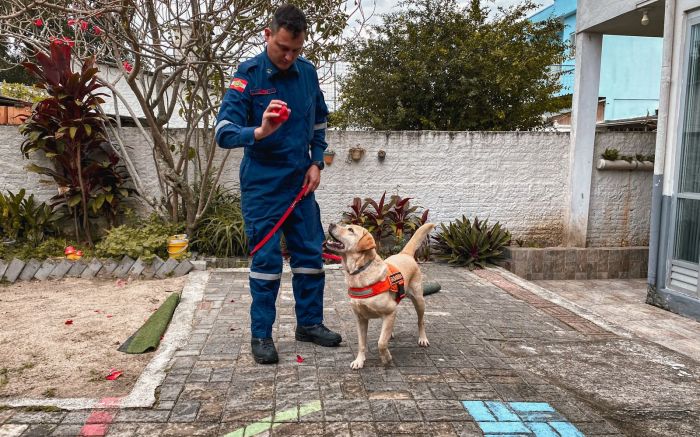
(114, 374)
(109, 316)
(299, 359)
(69, 322)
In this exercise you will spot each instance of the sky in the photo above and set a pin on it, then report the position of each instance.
(384, 6)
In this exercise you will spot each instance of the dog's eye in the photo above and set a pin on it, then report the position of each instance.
(352, 231)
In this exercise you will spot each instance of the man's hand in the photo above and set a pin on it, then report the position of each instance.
(312, 179)
(268, 126)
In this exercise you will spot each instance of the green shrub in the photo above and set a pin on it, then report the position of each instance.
(470, 244)
(221, 232)
(24, 219)
(139, 241)
(52, 247)
(611, 154)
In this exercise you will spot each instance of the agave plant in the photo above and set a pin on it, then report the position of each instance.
(69, 129)
(470, 244)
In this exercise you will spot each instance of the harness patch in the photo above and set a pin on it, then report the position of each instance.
(394, 282)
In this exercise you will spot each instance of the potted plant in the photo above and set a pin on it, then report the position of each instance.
(356, 153)
(328, 156)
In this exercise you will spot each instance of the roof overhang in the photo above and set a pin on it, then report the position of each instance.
(622, 17)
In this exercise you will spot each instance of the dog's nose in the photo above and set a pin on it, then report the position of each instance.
(331, 227)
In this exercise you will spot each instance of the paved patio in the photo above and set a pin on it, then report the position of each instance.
(506, 358)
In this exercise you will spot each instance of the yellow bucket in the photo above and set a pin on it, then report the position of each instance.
(177, 245)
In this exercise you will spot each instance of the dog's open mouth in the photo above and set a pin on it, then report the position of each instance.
(333, 244)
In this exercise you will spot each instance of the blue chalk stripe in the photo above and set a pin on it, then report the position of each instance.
(526, 407)
(501, 411)
(565, 429)
(503, 428)
(478, 411)
(542, 430)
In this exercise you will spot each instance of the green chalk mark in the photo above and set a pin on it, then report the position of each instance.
(264, 424)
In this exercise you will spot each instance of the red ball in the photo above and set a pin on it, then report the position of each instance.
(283, 115)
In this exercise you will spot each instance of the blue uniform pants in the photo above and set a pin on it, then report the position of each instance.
(263, 204)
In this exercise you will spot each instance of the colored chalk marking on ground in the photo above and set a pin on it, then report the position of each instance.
(502, 419)
(280, 418)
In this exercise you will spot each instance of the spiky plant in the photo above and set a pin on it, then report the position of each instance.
(470, 244)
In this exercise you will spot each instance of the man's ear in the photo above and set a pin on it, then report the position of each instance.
(366, 243)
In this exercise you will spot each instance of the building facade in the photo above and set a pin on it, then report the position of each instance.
(630, 66)
(674, 237)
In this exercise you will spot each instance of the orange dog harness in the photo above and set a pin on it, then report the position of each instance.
(393, 282)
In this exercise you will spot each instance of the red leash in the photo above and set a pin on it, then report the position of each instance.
(279, 223)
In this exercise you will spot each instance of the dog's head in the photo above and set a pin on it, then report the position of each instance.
(349, 239)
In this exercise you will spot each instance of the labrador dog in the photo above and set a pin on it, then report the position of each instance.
(364, 268)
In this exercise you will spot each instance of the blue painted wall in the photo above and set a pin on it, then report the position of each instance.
(630, 68)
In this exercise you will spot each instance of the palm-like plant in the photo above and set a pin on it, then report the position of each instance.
(69, 129)
(471, 244)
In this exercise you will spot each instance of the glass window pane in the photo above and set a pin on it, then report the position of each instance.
(690, 154)
(687, 231)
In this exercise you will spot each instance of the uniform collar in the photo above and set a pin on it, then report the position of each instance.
(271, 69)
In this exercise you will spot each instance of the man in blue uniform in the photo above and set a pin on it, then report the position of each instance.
(279, 157)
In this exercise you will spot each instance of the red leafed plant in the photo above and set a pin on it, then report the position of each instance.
(390, 223)
(68, 127)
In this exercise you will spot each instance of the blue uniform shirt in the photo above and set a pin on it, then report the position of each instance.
(255, 84)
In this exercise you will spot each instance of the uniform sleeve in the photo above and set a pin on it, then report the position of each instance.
(231, 129)
(318, 142)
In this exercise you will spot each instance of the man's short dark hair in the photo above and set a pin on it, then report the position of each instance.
(291, 18)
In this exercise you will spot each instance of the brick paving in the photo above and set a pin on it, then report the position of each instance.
(214, 388)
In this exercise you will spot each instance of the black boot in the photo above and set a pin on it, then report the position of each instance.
(318, 334)
(264, 350)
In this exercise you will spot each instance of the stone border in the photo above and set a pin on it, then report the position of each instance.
(143, 392)
(58, 268)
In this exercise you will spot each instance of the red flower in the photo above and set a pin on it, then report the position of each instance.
(128, 67)
(97, 30)
(71, 22)
(38, 22)
(83, 25)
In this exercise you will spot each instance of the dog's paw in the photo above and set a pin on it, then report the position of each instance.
(357, 364)
(423, 342)
(385, 358)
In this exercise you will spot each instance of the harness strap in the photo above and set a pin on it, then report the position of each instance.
(393, 282)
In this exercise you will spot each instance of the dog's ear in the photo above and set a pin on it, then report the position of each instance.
(366, 243)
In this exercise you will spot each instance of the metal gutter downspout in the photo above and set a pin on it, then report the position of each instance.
(660, 153)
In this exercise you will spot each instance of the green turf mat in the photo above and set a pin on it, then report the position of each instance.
(147, 338)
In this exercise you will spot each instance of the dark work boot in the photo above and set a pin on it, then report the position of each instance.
(318, 334)
(264, 350)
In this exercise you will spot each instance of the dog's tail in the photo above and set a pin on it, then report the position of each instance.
(417, 239)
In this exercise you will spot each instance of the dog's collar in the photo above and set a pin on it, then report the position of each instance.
(393, 282)
(362, 269)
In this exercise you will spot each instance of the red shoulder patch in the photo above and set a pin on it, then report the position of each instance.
(238, 84)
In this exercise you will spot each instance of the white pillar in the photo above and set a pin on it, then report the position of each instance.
(583, 120)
